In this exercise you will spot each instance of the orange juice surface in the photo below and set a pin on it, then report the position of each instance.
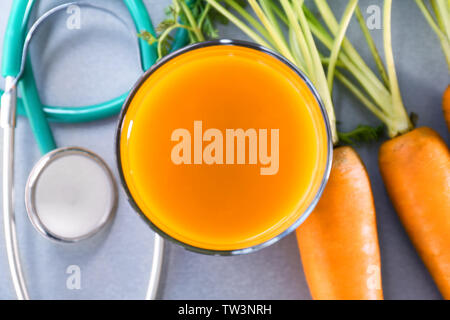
(223, 147)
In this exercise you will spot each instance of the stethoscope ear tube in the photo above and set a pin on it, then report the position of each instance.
(15, 34)
(8, 119)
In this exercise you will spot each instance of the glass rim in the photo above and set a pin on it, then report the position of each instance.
(224, 42)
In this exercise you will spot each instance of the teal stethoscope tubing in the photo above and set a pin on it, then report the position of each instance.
(30, 104)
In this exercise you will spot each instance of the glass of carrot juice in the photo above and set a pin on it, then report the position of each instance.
(223, 147)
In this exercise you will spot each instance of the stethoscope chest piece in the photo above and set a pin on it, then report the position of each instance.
(70, 194)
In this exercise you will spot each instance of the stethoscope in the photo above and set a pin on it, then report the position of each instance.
(16, 69)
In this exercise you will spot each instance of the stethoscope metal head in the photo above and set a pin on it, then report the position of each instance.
(70, 195)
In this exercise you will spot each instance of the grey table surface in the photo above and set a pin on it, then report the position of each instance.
(98, 62)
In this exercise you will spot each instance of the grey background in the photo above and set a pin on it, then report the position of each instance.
(98, 62)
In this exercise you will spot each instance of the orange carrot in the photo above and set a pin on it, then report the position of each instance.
(416, 171)
(446, 106)
(339, 242)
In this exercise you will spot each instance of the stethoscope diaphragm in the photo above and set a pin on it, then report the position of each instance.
(70, 194)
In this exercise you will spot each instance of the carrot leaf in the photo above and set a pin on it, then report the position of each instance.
(361, 134)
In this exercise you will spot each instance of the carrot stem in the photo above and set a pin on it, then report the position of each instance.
(271, 17)
(321, 81)
(442, 26)
(350, 57)
(192, 21)
(296, 51)
(400, 120)
(280, 44)
(386, 98)
(301, 41)
(372, 46)
(442, 8)
(248, 31)
(349, 10)
(279, 12)
(347, 47)
(249, 18)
